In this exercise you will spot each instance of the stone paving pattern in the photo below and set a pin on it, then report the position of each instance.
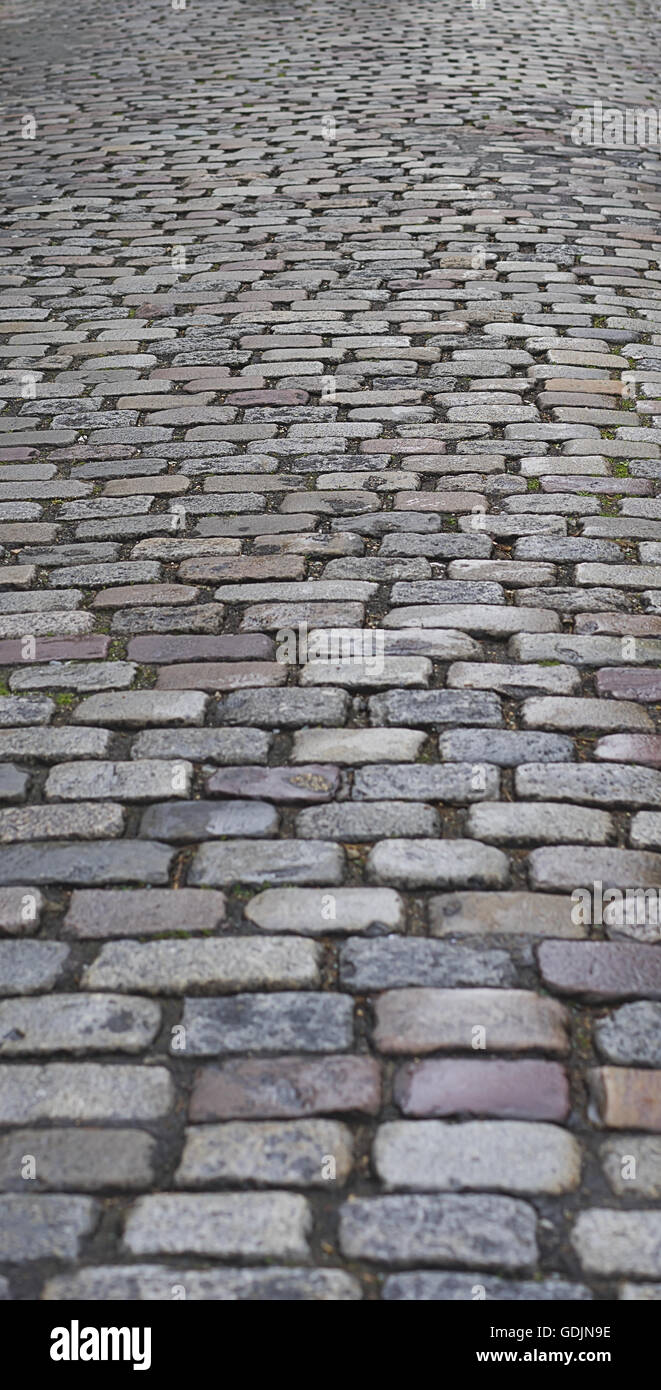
(316, 313)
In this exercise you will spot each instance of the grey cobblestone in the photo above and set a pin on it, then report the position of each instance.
(268, 1023)
(488, 1232)
(172, 967)
(504, 1156)
(34, 1228)
(138, 1282)
(69, 1023)
(247, 1224)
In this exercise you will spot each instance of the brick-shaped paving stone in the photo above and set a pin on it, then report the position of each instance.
(273, 1225)
(488, 1232)
(503, 1155)
(283, 1087)
(431, 1020)
(43, 1227)
(625, 1098)
(523, 1090)
(610, 1242)
(631, 1034)
(279, 1153)
(267, 1023)
(260, 1284)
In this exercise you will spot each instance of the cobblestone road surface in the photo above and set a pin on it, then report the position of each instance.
(330, 627)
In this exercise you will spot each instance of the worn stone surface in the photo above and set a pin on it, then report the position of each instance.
(103, 861)
(419, 1286)
(301, 1022)
(626, 1099)
(631, 1034)
(274, 1225)
(72, 1023)
(170, 967)
(514, 1090)
(389, 962)
(313, 912)
(155, 1283)
(30, 967)
(290, 1154)
(488, 1232)
(611, 1242)
(191, 821)
(285, 1087)
(318, 782)
(516, 914)
(428, 1020)
(253, 861)
(632, 1164)
(78, 1160)
(143, 912)
(330, 633)
(36, 1228)
(437, 864)
(86, 1091)
(506, 1156)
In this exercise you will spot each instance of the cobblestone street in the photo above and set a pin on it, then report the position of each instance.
(330, 636)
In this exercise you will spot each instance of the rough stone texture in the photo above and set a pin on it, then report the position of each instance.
(632, 1164)
(253, 861)
(631, 1035)
(142, 780)
(488, 914)
(268, 1023)
(393, 961)
(330, 577)
(158, 1283)
(171, 967)
(514, 1090)
(286, 1086)
(78, 1160)
(28, 967)
(314, 912)
(286, 1154)
(601, 969)
(86, 821)
(529, 822)
(502, 1155)
(437, 864)
(36, 1228)
(610, 1242)
(143, 912)
(626, 1099)
(87, 1091)
(418, 1286)
(428, 1020)
(489, 1232)
(69, 1023)
(274, 1225)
